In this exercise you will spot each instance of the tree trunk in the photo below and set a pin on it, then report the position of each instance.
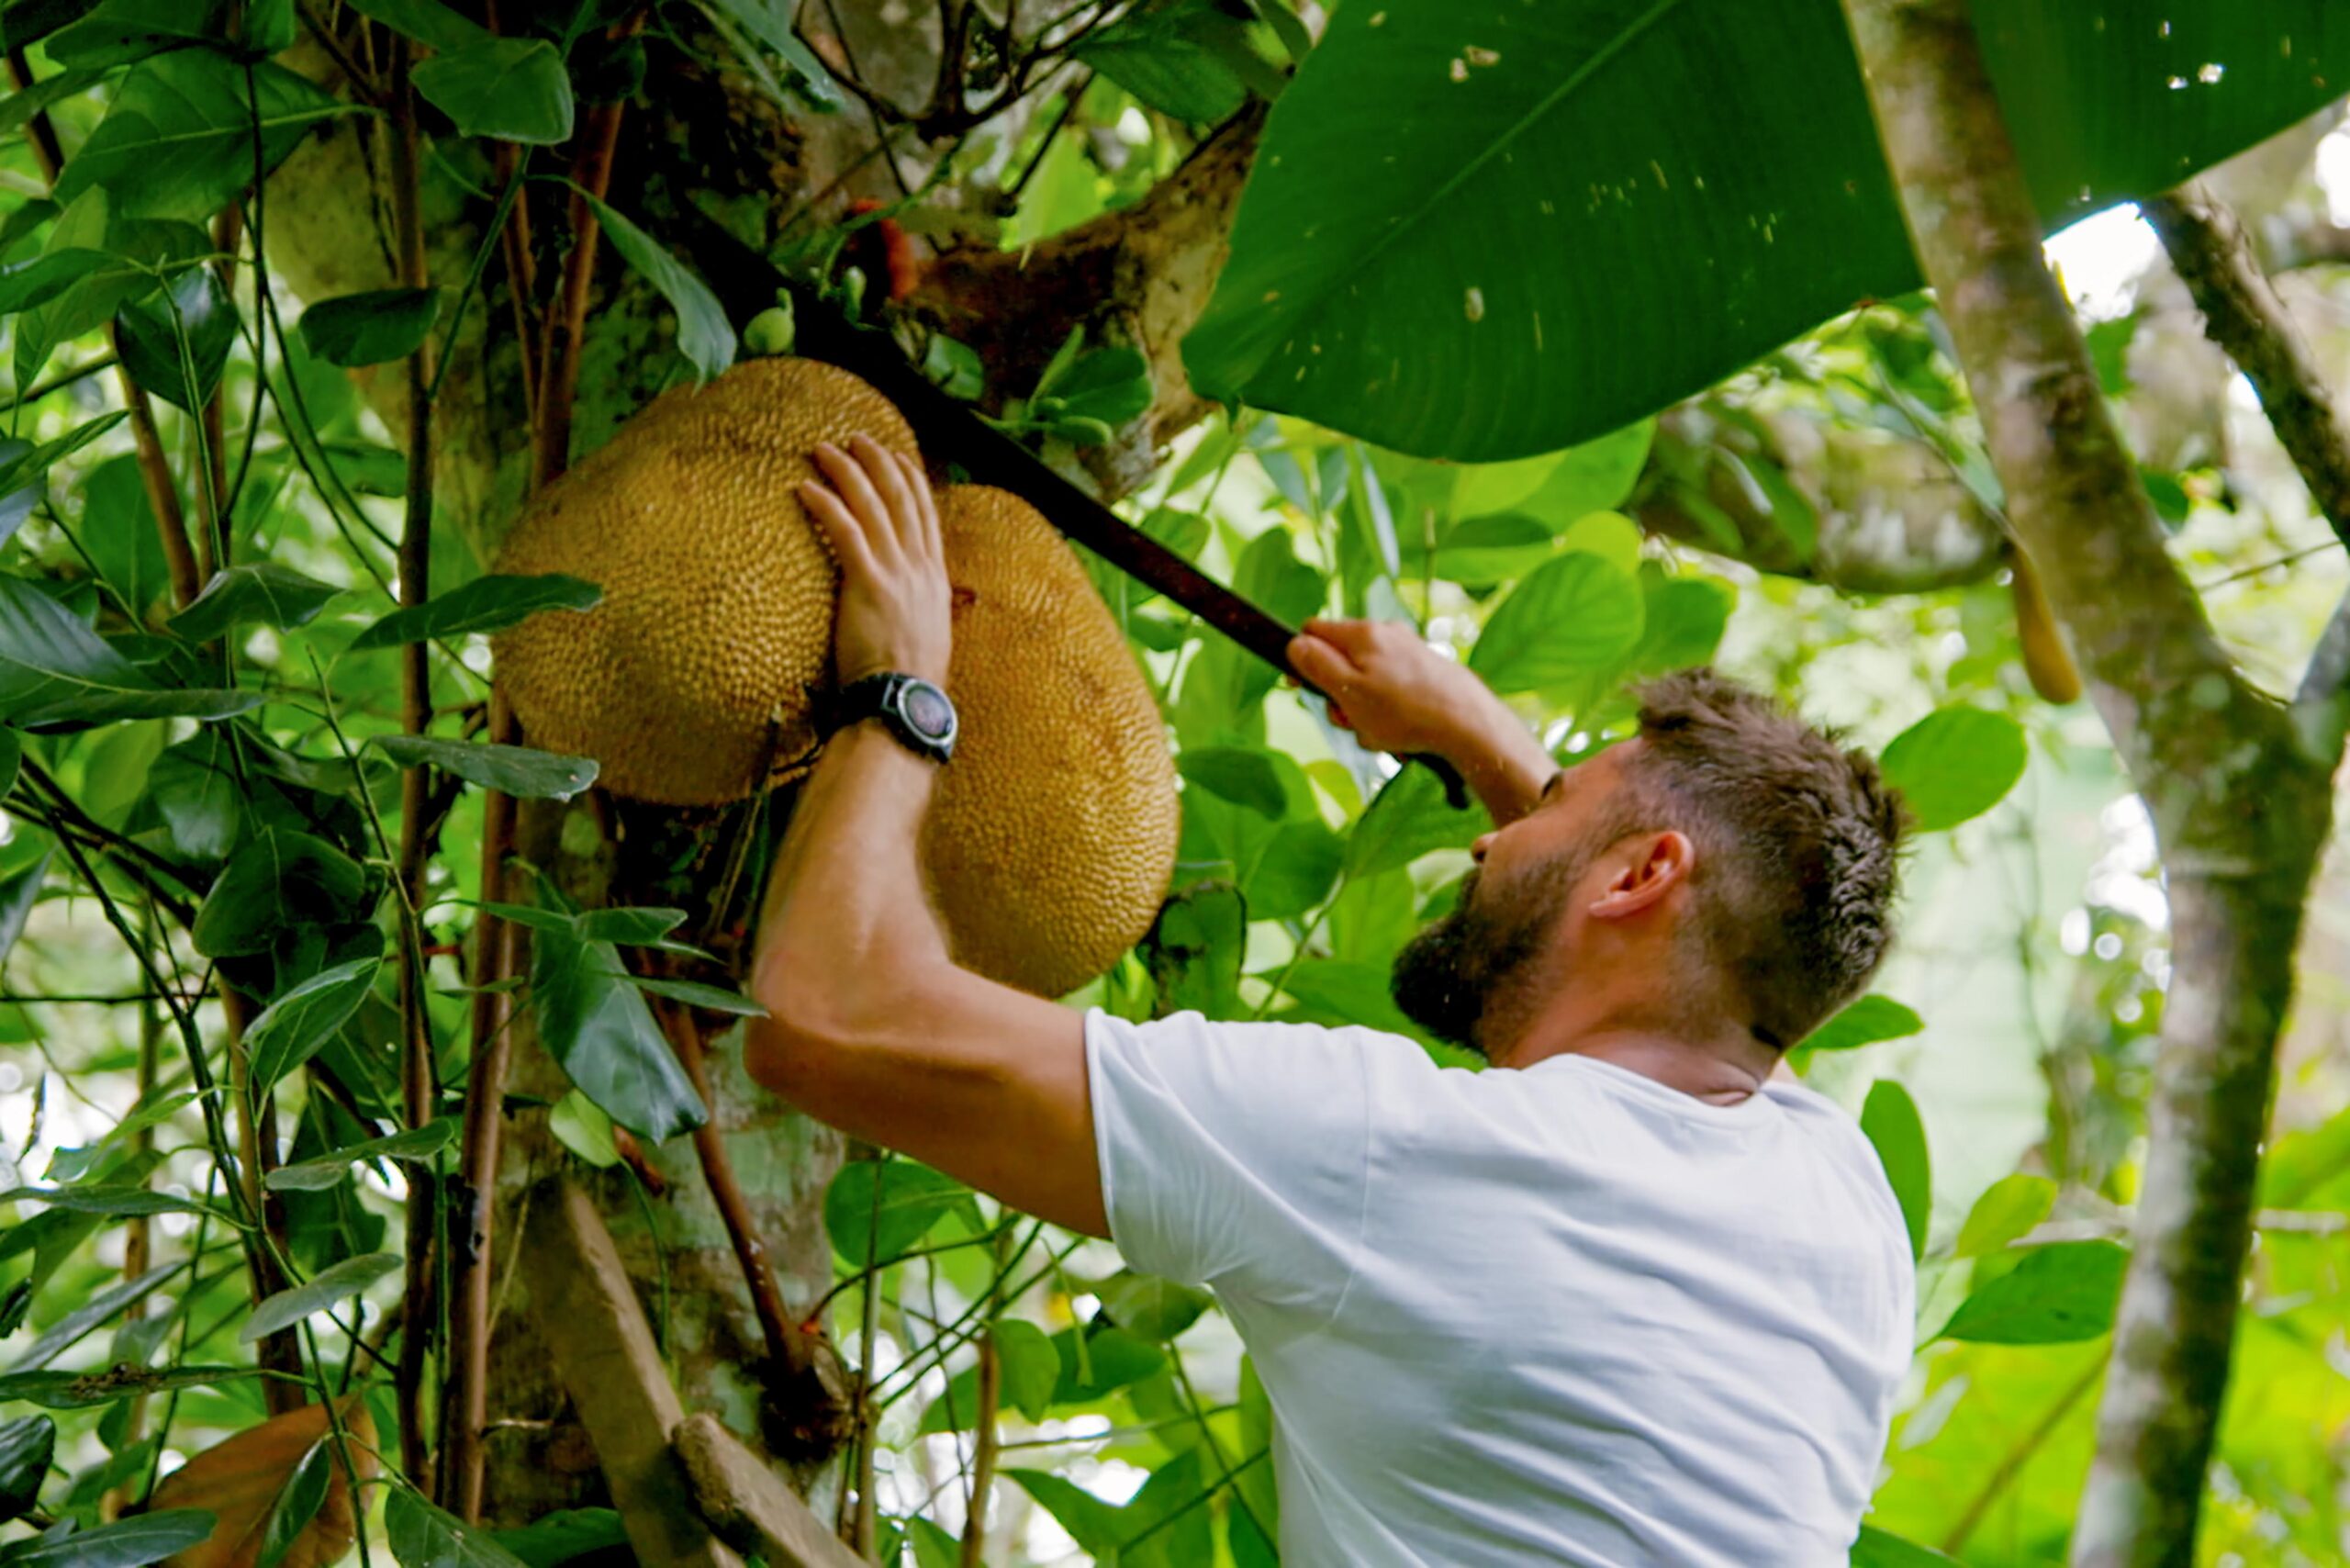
(2241, 802)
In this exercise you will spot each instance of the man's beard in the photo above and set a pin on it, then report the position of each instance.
(1464, 972)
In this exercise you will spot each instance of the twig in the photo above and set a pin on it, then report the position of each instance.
(2244, 315)
(522, 261)
(2011, 1464)
(213, 546)
(985, 1438)
(362, 79)
(256, 1156)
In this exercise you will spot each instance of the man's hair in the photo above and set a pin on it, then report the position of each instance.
(1799, 839)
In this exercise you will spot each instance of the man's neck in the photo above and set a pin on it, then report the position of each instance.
(1722, 1071)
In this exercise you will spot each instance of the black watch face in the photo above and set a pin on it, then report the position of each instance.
(927, 710)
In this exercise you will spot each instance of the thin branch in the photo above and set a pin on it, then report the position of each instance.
(2011, 1464)
(2244, 315)
(567, 324)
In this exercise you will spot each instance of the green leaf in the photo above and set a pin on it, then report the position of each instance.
(911, 1199)
(297, 1502)
(25, 1445)
(127, 1543)
(1030, 1370)
(629, 926)
(263, 593)
(1168, 57)
(316, 1295)
(709, 998)
(1876, 1549)
(1150, 1306)
(69, 1330)
(1242, 775)
(1293, 870)
(595, 1022)
(54, 667)
(519, 771)
(105, 1200)
(769, 21)
(486, 604)
(18, 891)
(196, 309)
(557, 1537)
(2058, 1294)
(276, 881)
(1110, 1359)
(421, 1536)
(1686, 618)
(1571, 621)
(124, 30)
(1408, 818)
(80, 1391)
(704, 336)
(380, 325)
(12, 760)
(1195, 950)
(2007, 1209)
(1091, 1522)
(585, 1130)
(1953, 764)
(1484, 228)
(292, 1029)
(322, 1172)
(513, 89)
(1890, 1119)
(1863, 1023)
(178, 141)
(427, 21)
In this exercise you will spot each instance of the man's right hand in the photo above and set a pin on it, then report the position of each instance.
(1397, 694)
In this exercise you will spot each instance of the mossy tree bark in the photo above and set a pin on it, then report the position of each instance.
(2238, 784)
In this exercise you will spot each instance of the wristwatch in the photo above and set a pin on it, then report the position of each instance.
(917, 713)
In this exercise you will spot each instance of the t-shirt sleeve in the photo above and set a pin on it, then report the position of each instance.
(1235, 1155)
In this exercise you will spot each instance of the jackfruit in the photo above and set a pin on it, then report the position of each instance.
(1052, 833)
(1051, 836)
(696, 676)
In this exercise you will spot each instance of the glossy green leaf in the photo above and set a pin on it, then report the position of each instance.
(175, 343)
(119, 31)
(486, 604)
(581, 1127)
(1953, 764)
(277, 881)
(1863, 1021)
(1408, 818)
(292, 1029)
(1571, 621)
(877, 1210)
(322, 1172)
(1169, 57)
(596, 1023)
(1241, 775)
(518, 770)
(297, 1502)
(1890, 1119)
(260, 594)
(769, 21)
(178, 140)
(1486, 228)
(127, 1543)
(54, 667)
(704, 335)
(25, 1445)
(327, 1288)
(422, 1536)
(1686, 618)
(372, 328)
(1110, 1359)
(510, 88)
(2060, 1293)
(2007, 1211)
(106, 1305)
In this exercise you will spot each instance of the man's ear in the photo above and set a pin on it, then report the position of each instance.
(1655, 864)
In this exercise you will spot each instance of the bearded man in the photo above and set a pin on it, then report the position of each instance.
(1629, 1298)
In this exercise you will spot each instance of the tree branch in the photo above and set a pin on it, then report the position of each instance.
(2244, 315)
(2241, 809)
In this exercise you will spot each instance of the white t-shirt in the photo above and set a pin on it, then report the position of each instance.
(1562, 1315)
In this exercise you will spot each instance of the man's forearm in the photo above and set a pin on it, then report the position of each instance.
(1501, 760)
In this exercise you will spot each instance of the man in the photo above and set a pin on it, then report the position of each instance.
(1623, 1301)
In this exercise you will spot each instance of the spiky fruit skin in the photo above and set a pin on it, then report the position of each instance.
(1051, 837)
(696, 672)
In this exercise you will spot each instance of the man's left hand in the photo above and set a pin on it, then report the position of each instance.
(881, 521)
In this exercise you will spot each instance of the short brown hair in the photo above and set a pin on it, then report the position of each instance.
(1798, 841)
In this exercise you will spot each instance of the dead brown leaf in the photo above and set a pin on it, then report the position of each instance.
(239, 1481)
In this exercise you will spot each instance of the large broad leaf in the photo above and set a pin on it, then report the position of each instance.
(1408, 818)
(280, 1490)
(875, 1210)
(1864, 1022)
(514, 89)
(179, 140)
(2007, 1209)
(422, 1536)
(292, 1029)
(486, 604)
(176, 344)
(53, 667)
(1031, 1369)
(1569, 623)
(276, 881)
(1484, 227)
(25, 1445)
(2060, 1293)
(260, 594)
(327, 1288)
(427, 21)
(1177, 58)
(1953, 764)
(1195, 950)
(124, 30)
(704, 335)
(382, 324)
(1890, 1118)
(126, 1543)
(518, 770)
(597, 1024)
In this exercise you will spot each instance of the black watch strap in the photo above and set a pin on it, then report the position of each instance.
(917, 713)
